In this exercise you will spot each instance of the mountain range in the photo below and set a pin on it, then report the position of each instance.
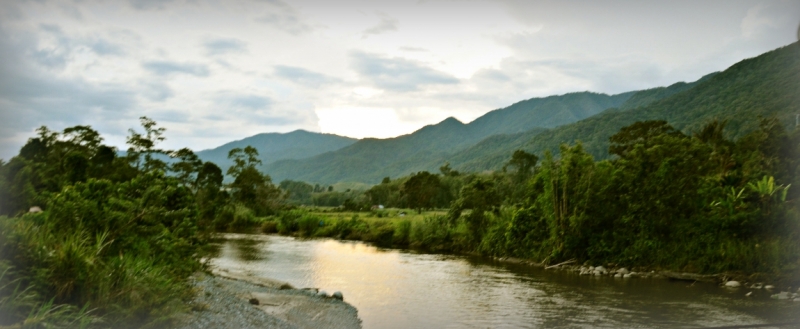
(764, 86)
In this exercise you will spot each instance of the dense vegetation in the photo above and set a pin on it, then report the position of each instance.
(700, 203)
(118, 236)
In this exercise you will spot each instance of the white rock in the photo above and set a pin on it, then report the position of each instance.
(623, 271)
(749, 294)
(601, 269)
(781, 296)
(618, 275)
(733, 284)
(627, 276)
(769, 287)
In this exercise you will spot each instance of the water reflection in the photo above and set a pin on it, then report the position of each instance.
(399, 289)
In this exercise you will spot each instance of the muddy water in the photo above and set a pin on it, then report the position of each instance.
(402, 289)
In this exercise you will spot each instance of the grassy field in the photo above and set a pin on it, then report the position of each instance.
(393, 227)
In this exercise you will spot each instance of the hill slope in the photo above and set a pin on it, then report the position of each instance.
(494, 151)
(276, 146)
(369, 160)
(763, 86)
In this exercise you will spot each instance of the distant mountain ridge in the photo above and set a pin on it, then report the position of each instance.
(764, 86)
(369, 160)
(272, 147)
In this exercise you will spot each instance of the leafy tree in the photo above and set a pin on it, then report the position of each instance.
(421, 190)
(187, 168)
(145, 144)
(250, 187)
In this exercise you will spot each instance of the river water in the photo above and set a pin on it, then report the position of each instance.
(404, 289)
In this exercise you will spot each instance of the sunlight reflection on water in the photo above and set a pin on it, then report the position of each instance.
(402, 289)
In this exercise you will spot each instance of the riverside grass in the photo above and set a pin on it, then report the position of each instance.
(433, 231)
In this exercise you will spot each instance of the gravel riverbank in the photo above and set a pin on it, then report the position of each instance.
(229, 303)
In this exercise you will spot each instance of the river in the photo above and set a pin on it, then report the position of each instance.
(406, 289)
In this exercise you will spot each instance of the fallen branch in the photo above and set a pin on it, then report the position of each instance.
(559, 264)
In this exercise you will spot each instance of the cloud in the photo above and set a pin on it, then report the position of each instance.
(224, 46)
(286, 19)
(103, 47)
(286, 22)
(413, 49)
(157, 91)
(386, 24)
(31, 97)
(251, 102)
(163, 68)
(303, 77)
(397, 74)
(148, 4)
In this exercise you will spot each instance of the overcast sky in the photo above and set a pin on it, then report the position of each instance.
(212, 71)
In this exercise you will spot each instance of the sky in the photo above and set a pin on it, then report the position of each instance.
(213, 71)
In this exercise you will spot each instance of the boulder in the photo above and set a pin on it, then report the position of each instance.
(769, 287)
(322, 293)
(623, 271)
(627, 276)
(733, 284)
(618, 275)
(601, 269)
(338, 295)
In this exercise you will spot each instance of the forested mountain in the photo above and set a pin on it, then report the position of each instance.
(369, 160)
(764, 86)
(492, 152)
(276, 146)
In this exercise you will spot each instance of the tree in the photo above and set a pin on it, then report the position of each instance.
(480, 196)
(145, 144)
(421, 189)
(640, 132)
(249, 186)
(187, 168)
(447, 171)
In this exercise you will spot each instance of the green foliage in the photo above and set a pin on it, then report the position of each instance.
(122, 250)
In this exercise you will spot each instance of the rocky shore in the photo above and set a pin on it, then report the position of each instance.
(232, 302)
(778, 292)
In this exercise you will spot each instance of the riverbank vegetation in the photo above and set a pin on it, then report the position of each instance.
(695, 202)
(91, 238)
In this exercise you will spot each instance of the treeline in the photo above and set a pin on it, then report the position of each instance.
(93, 238)
(700, 203)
